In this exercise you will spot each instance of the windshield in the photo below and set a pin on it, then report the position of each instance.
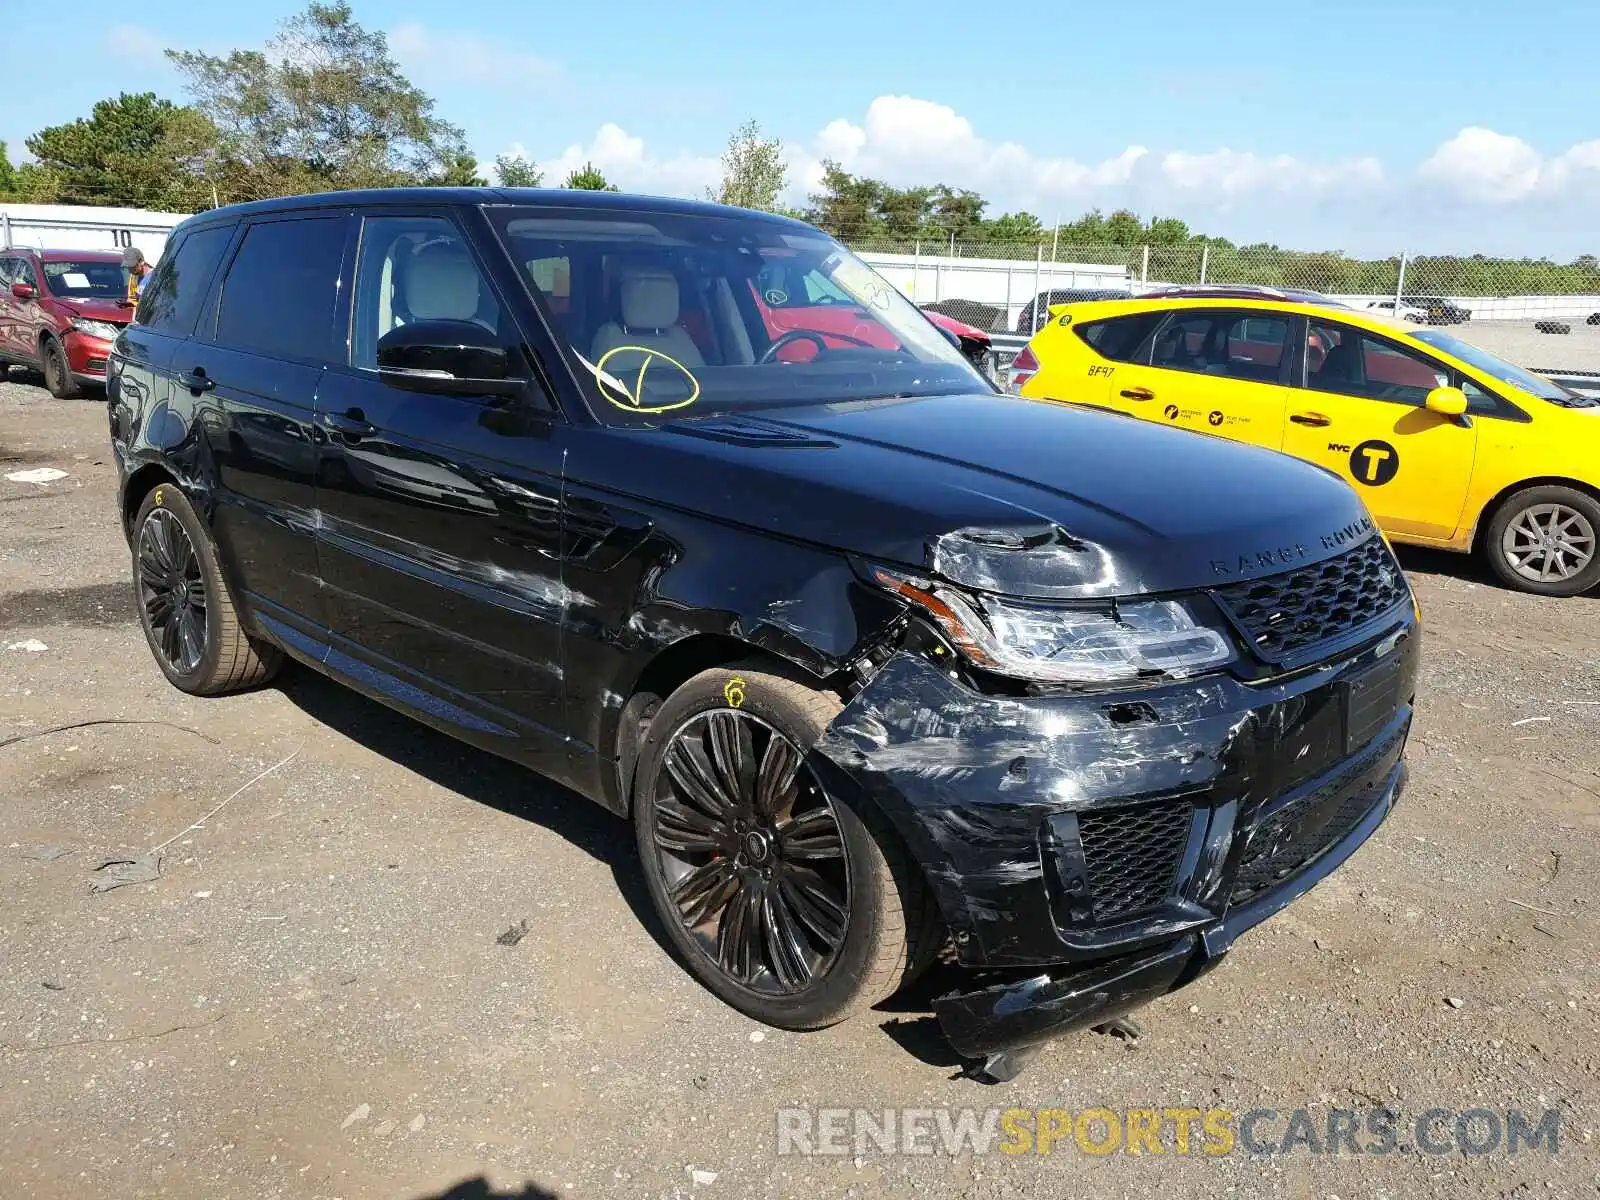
(1499, 368)
(670, 314)
(87, 280)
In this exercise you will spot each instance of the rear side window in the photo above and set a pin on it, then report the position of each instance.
(1235, 345)
(172, 297)
(279, 294)
(1118, 338)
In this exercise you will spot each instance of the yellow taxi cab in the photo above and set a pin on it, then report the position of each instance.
(1449, 445)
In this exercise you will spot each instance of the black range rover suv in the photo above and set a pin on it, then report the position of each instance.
(878, 661)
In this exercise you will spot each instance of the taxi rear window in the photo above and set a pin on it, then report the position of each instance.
(1118, 338)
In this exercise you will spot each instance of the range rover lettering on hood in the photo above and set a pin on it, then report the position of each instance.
(1275, 558)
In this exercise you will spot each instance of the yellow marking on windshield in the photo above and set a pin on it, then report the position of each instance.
(632, 400)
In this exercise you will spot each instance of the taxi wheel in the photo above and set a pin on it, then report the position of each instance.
(1546, 540)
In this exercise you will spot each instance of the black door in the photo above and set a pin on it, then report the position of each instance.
(139, 377)
(255, 372)
(440, 514)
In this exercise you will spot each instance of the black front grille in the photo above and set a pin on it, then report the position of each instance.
(95, 364)
(1132, 854)
(1282, 614)
(1294, 836)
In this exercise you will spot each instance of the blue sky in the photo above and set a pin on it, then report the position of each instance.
(1369, 126)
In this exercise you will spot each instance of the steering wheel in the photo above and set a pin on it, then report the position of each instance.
(788, 339)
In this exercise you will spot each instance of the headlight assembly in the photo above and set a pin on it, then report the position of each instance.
(99, 329)
(1106, 642)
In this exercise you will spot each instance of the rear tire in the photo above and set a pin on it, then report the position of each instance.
(1548, 530)
(188, 618)
(58, 372)
(750, 869)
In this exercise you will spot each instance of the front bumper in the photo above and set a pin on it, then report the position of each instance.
(1022, 1014)
(1091, 851)
(87, 356)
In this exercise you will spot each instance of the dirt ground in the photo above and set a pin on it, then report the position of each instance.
(315, 998)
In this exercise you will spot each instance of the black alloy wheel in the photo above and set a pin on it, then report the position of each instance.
(172, 591)
(751, 850)
(184, 605)
(784, 891)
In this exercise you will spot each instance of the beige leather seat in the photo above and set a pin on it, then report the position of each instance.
(649, 301)
(442, 284)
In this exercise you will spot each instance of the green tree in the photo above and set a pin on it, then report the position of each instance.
(753, 174)
(460, 171)
(956, 212)
(135, 150)
(1013, 228)
(514, 170)
(588, 178)
(324, 105)
(1167, 231)
(1124, 228)
(905, 212)
(846, 207)
(8, 173)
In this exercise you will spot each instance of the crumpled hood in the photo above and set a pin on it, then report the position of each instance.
(1002, 494)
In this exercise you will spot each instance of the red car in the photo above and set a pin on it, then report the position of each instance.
(790, 301)
(60, 310)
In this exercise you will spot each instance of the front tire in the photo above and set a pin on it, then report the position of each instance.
(187, 615)
(795, 906)
(58, 372)
(1545, 540)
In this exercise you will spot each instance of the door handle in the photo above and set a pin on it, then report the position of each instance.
(352, 423)
(1311, 418)
(1138, 393)
(198, 381)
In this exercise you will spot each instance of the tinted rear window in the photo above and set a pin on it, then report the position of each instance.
(172, 298)
(1117, 338)
(279, 294)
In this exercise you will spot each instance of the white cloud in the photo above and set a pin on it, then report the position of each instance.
(1232, 173)
(905, 140)
(446, 56)
(136, 44)
(1482, 166)
(1454, 199)
(622, 158)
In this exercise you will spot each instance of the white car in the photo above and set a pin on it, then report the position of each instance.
(1406, 312)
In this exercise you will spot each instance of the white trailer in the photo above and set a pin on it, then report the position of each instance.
(85, 227)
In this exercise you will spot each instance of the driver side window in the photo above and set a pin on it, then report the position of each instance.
(1350, 362)
(415, 269)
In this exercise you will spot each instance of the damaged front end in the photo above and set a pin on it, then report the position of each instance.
(1095, 842)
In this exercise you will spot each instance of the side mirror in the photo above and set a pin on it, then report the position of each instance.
(23, 291)
(1447, 401)
(447, 358)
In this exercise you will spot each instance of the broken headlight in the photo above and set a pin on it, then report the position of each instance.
(1107, 642)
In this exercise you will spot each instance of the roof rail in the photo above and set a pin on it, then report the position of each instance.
(1247, 290)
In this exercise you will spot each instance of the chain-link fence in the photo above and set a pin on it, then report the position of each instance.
(1008, 286)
